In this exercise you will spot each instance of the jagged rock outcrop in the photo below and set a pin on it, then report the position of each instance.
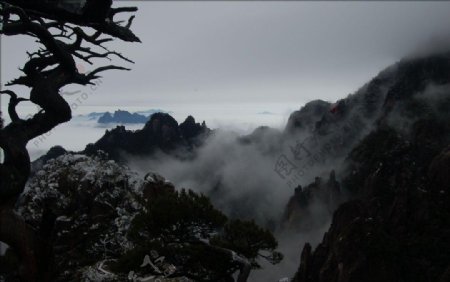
(161, 132)
(190, 129)
(311, 206)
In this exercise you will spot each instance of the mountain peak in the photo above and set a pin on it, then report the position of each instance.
(161, 132)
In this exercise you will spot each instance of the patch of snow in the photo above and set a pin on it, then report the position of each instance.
(63, 218)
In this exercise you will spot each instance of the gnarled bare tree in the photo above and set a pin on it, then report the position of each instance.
(59, 26)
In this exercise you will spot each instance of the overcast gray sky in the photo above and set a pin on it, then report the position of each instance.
(285, 53)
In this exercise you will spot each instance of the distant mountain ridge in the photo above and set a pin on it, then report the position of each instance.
(122, 117)
(162, 132)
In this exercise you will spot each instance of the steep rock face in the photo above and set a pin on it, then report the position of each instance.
(395, 227)
(161, 132)
(311, 206)
(398, 227)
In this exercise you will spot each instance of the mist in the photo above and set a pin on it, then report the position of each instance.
(239, 175)
(239, 178)
(239, 172)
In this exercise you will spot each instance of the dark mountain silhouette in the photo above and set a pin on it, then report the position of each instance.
(396, 224)
(162, 132)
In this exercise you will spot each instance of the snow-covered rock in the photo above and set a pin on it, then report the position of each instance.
(86, 205)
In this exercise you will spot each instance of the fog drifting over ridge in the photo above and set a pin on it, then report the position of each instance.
(241, 182)
(214, 52)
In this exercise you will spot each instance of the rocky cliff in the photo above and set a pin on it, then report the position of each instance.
(395, 225)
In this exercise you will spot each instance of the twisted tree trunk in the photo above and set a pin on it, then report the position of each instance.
(46, 72)
(14, 173)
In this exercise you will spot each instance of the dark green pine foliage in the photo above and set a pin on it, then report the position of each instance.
(199, 240)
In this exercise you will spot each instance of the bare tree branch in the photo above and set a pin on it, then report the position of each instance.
(13, 102)
(47, 70)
